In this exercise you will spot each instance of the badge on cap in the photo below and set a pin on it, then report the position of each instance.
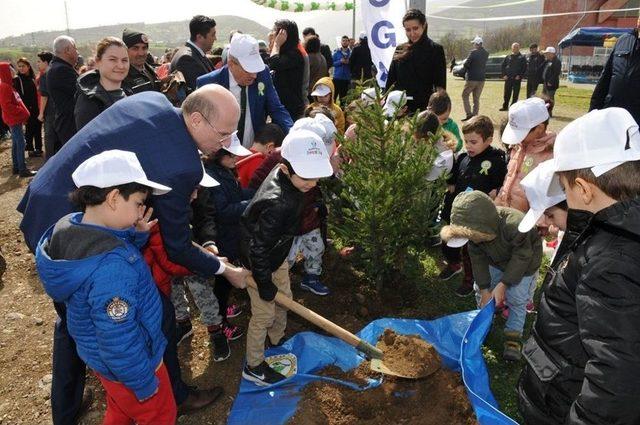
(144, 38)
(117, 309)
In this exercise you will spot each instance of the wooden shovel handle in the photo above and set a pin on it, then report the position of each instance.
(321, 322)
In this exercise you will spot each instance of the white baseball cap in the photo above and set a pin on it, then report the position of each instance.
(307, 154)
(363, 35)
(523, 116)
(477, 40)
(535, 186)
(236, 148)
(310, 124)
(207, 180)
(396, 99)
(245, 48)
(550, 49)
(600, 140)
(113, 168)
(457, 242)
(321, 90)
(368, 94)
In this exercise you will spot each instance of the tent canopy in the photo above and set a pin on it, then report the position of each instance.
(592, 36)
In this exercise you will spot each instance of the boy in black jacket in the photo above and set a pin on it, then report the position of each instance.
(583, 362)
(482, 167)
(269, 224)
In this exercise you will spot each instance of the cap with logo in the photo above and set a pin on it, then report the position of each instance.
(322, 126)
(133, 37)
(477, 40)
(535, 186)
(245, 49)
(550, 49)
(523, 116)
(600, 140)
(321, 90)
(236, 148)
(307, 154)
(114, 168)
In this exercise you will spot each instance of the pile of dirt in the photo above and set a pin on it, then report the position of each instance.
(408, 355)
(438, 399)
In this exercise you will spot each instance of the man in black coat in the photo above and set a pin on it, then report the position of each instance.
(61, 83)
(141, 76)
(551, 74)
(619, 84)
(475, 66)
(191, 58)
(360, 63)
(535, 65)
(325, 50)
(514, 67)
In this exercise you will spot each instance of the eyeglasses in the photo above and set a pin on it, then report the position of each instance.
(224, 137)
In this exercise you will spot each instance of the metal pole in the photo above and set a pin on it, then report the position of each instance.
(66, 16)
(418, 4)
(353, 21)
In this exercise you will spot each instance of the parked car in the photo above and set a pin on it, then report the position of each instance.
(493, 70)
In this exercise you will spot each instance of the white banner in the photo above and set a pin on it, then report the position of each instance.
(383, 23)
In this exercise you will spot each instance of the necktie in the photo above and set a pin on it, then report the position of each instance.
(243, 112)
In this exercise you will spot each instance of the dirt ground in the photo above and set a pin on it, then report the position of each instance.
(29, 317)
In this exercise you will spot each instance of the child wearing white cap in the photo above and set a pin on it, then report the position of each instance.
(527, 131)
(583, 362)
(91, 261)
(324, 94)
(269, 225)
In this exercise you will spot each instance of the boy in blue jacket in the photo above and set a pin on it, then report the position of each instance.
(91, 261)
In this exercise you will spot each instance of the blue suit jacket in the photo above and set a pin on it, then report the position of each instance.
(148, 125)
(260, 105)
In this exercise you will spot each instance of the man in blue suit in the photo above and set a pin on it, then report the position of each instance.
(248, 78)
(166, 140)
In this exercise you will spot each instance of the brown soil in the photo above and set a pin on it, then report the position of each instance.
(437, 399)
(408, 355)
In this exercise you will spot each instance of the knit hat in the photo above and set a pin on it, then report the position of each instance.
(133, 37)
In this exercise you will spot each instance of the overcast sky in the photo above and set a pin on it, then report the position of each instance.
(25, 16)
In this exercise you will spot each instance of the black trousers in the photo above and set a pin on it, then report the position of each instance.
(342, 88)
(222, 290)
(532, 86)
(33, 134)
(511, 86)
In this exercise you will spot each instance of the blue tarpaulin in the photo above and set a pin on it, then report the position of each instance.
(592, 36)
(457, 338)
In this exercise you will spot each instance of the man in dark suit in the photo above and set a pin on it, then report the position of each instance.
(61, 83)
(514, 67)
(191, 58)
(247, 77)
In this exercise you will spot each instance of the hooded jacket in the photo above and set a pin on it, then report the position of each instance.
(162, 269)
(337, 111)
(583, 362)
(92, 98)
(114, 311)
(494, 239)
(14, 111)
(525, 158)
(26, 87)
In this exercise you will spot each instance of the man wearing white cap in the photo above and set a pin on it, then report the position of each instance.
(269, 225)
(248, 78)
(551, 73)
(475, 67)
(583, 365)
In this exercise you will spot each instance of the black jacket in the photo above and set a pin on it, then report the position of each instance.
(419, 72)
(26, 88)
(583, 362)
(61, 83)
(191, 63)
(619, 84)
(514, 65)
(328, 56)
(287, 72)
(535, 66)
(360, 61)
(139, 81)
(551, 74)
(269, 224)
(204, 230)
(476, 65)
(92, 98)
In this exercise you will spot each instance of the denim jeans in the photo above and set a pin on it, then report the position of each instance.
(17, 149)
(516, 298)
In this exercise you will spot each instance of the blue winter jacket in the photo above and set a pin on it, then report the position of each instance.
(230, 202)
(114, 311)
(341, 71)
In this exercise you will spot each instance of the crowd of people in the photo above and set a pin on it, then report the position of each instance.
(140, 202)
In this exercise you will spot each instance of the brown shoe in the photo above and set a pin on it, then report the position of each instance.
(197, 399)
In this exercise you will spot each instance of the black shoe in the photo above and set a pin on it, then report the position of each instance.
(464, 290)
(197, 399)
(35, 154)
(269, 344)
(262, 375)
(504, 108)
(27, 173)
(467, 118)
(221, 350)
(449, 272)
(183, 330)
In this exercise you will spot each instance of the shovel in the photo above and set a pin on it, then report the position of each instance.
(373, 353)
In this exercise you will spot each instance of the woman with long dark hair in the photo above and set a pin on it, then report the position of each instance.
(418, 66)
(288, 65)
(25, 84)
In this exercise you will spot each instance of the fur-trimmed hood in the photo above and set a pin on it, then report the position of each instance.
(473, 217)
